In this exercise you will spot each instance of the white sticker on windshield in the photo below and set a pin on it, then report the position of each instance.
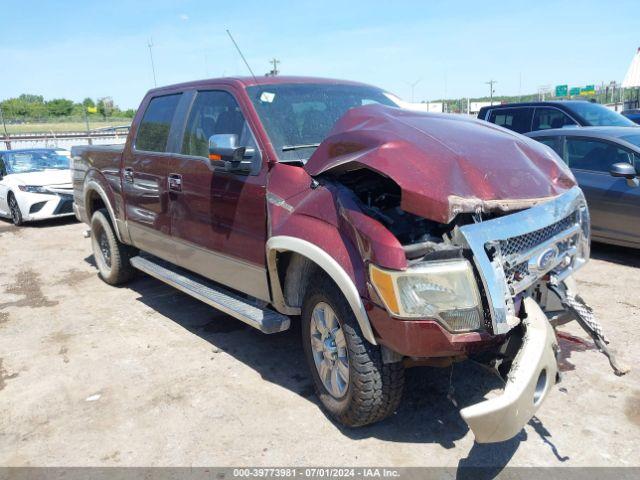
(267, 97)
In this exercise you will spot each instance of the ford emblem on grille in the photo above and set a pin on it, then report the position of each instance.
(545, 260)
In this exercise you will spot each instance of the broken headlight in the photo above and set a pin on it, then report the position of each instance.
(443, 290)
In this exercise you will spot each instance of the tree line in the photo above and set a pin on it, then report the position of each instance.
(34, 107)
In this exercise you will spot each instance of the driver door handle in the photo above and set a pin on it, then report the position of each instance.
(175, 182)
(128, 175)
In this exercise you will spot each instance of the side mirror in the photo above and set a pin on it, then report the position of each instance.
(624, 170)
(224, 152)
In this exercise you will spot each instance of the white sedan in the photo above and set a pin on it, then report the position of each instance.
(35, 184)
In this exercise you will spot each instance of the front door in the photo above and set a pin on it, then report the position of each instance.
(613, 204)
(144, 178)
(218, 218)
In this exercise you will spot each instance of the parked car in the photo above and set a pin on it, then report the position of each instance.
(633, 115)
(35, 184)
(605, 162)
(395, 237)
(532, 116)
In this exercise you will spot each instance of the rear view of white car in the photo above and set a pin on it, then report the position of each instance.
(35, 184)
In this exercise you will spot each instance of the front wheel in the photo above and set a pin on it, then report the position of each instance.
(14, 209)
(111, 256)
(350, 379)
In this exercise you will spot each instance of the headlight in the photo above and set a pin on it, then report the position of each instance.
(34, 189)
(444, 290)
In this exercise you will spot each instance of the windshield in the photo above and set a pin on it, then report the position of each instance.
(35, 161)
(635, 139)
(597, 115)
(298, 117)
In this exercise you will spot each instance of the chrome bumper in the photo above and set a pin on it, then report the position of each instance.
(531, 377)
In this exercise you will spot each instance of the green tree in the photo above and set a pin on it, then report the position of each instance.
(59, 107)
(30, 98)
(88, 102)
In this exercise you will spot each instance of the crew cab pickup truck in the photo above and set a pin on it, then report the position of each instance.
(396, 238)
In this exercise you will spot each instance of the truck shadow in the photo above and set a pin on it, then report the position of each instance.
(628, 257)
(426, 414)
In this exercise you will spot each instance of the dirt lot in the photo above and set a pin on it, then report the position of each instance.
(146, 376)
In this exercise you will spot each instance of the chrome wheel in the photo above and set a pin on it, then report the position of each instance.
(329, 349)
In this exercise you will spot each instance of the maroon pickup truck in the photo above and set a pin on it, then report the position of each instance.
(396, 238)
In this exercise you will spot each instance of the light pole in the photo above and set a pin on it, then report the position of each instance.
(413, 86)
(491, 90)
(6, 134)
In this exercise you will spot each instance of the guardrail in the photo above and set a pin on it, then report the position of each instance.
(117, 133)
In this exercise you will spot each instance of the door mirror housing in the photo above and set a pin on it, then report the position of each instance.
(624, 170)
(225, 153)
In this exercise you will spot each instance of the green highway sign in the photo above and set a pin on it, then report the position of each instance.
(574, 91)
(561, 90)
(588, 90)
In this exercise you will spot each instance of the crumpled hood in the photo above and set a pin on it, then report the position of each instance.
(444, 164)
(44, 178)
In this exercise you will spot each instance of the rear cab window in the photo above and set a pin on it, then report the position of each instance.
(517, 119)
(153, 131)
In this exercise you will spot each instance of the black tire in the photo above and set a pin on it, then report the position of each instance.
(111, 256)
(14, 209)
(374, 389)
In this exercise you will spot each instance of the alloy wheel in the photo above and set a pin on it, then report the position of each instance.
(329, 349)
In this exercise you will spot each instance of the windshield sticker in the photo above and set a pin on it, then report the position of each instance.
(267, 97)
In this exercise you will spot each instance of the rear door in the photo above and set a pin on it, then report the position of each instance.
(144, 176)
(545, 118)
(614, 205)
(218, 218)
(517, 119)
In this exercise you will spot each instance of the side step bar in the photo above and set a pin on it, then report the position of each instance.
(209, 292)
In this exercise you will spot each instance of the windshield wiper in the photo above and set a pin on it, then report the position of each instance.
(288, 148)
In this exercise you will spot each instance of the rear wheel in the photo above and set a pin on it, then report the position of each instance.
(112, 257)
(14, 209)
(352, 382)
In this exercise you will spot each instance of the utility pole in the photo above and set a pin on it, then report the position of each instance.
(153, 67)
(274, 71)
(491, 90)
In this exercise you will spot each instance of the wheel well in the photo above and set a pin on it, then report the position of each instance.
(93, 203)
(295, 271)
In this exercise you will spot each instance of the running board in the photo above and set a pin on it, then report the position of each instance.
(211, 293)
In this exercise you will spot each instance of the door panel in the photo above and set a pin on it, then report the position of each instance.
(218, 218)
(144, 181)
(614, 205)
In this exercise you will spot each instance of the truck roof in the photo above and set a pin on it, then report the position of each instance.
(244, 82)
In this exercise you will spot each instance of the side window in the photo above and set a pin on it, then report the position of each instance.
(153, 132)
(516, 119)
(3, 169)
(546, 118)
(594, 155)
(213, 113)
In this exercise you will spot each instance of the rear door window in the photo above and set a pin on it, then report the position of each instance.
(545, 118)
(516, 119)
(153, 132)
(594, 155)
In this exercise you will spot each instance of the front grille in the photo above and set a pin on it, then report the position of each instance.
(523, 243)
(515, 253)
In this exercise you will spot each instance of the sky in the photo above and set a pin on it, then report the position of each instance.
(77, 49)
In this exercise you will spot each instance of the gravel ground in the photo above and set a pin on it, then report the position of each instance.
(143, 375)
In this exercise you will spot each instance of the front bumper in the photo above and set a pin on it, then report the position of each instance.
(42, 206)
(531, 377)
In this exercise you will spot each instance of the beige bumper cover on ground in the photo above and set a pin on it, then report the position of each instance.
(531, 377)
